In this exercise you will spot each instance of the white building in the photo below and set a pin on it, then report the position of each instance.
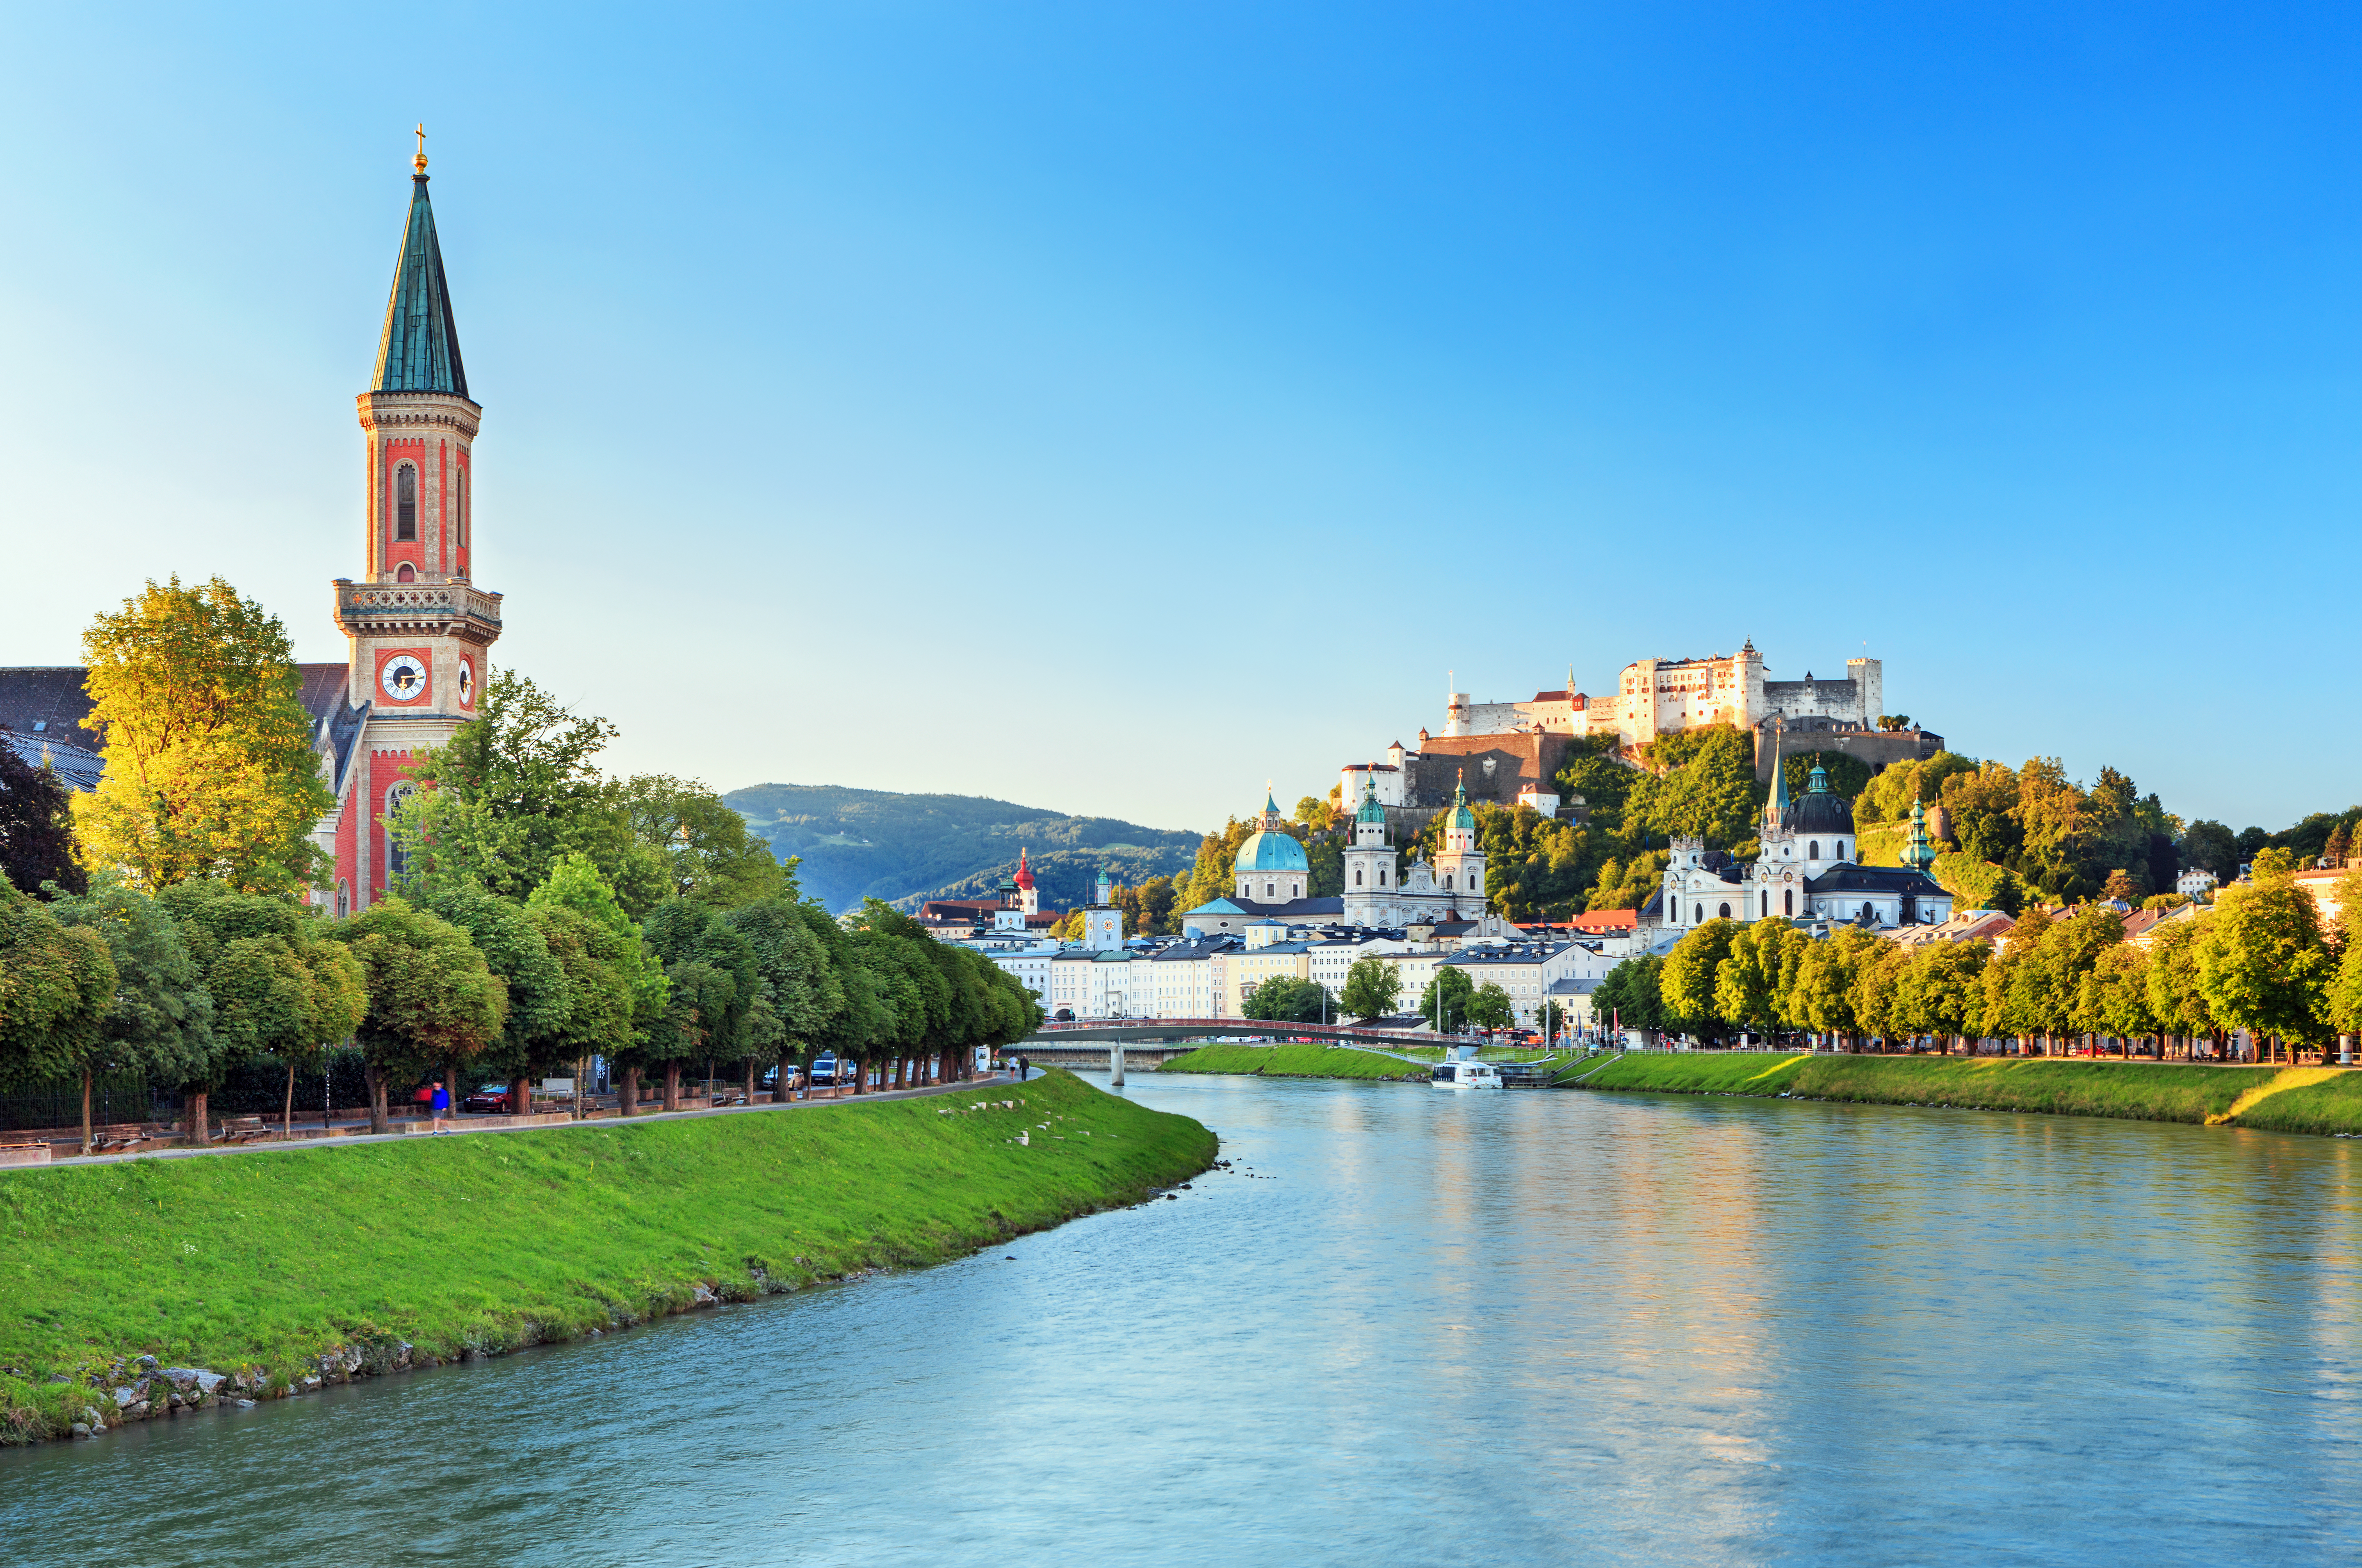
(2195, 883)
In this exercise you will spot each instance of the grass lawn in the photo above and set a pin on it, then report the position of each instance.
(1293, 1061)
(2190, 1092)
(491, 1243)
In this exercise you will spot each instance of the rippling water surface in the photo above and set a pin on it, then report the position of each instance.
(1431, 1328)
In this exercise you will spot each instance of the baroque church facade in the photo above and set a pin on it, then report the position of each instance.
(1805, 870)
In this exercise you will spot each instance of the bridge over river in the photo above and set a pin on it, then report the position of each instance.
(1091, 1042)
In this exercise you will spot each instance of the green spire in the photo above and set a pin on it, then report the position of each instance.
(419, 350)
(1776, 811)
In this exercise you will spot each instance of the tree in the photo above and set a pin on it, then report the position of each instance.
(1490, 1007)
(273, 992)
(2211, 846)
(1629, 997)
(2262, 962)
(210, 770)
(1746, 982)
(1373, 988)
(158, 1021)
(515, 791)
(2176, 999)
(1821, 997)
(1936, 991)
(708, 855)
(617, 959)
(714, 982)
(2113, 996)
(2122, 885)
(1691, 969)
(798, 985)
(432, 997)
(56, 986)
(541, 1004)
(1708, 788)
(1445, 1001)
(1284, 999)
(36, 843)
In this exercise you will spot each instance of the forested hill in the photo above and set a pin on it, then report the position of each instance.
(859, 844)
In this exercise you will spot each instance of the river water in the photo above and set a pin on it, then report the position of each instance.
(1429, 1328)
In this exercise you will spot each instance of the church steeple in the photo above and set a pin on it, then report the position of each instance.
(419, 349)
(1775, 809)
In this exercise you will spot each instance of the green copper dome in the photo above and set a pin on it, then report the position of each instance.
(1371, 810)
(1461, 817)
(1271, 851)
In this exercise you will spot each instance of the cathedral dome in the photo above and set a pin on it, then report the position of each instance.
(1821, 811)
(1271, 850)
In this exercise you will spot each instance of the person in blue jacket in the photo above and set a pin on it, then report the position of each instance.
(442, 1105)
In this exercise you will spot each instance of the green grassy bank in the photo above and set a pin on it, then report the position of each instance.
(258, 1264)
(2277, 1100)
(1293, 1061)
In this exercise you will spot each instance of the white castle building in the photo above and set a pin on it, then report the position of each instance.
(1657, 696)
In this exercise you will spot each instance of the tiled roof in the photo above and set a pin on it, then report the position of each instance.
(50, 703)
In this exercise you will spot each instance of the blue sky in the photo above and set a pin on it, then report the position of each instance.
(1111, 407)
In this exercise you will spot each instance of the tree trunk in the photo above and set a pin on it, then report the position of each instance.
(197, 1116)
(520, 1096)
(287, 1112)
(85, 1111)
(376, 1076)
(628, 1102)
(672, 1084)
(749, 1065)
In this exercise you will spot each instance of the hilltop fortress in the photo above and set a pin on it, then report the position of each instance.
(1510, 753)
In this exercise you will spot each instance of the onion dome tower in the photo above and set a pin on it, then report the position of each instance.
(1822, 819)
(1029, 898)
(1459, 868)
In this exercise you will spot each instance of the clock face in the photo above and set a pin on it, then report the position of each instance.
(403, 677)
(467, 683)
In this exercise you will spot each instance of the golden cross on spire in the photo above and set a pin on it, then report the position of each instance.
(419, 162)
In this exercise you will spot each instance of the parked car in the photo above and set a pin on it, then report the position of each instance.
(492, 1098)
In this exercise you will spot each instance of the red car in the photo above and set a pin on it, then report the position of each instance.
(491, 1098)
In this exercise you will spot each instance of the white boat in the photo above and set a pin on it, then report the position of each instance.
(1465, 1072)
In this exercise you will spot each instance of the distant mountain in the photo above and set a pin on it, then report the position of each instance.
(860, 844)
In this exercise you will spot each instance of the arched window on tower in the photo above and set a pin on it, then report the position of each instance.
(1813, 850)
(406, 503)
(460, 480)
(1724, 913)
(403, 574)
(1447, 881)
(1357, 875)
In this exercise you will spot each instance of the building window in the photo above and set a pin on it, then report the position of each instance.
(1697, 914)
(406, 503)
(1788, 902)
(1813, 850)
(405, 574)
(343, 900)
(461, 482)
(1724, 913)
(1357, 875)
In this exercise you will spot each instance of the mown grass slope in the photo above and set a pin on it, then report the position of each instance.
(2146, 1092)
(1293, 1061)
(489, 1242)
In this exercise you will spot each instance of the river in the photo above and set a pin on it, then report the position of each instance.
(1426, 1328)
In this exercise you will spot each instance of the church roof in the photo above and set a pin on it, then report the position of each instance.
(1461, 817)
(1822, 810)
(1371, 810)
(1271, 850)
(1850, 879)
(419, 350)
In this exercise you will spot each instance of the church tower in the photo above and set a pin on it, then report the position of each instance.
(1369, 862)
(1458, 868)
(418, 628)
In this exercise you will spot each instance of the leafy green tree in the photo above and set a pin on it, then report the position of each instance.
(2113, 996)
(36, 843)
(2211, 846)
(1707, 789)
(601, 967)
(1631, 997)
(515, 791)
(575, 884)
(709, 853)
(274, 991)
(57, 985)
(2263, 963)
(1444, 1000)
(1627, 884)
(715, 981)
(210, 770)
(1746, 982)
(1491, 1008)
(1876, 968)
(1284, 999)
(432, 997)
(1688, 982)
(159, 1022)
(1936, 992)
(798, 984)
(2176, 999)
(1822, 995)
(1373, 988)
(1594, 776)
(541, 1002)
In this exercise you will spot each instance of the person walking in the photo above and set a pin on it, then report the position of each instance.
(441, 1105)
(1024, 1065)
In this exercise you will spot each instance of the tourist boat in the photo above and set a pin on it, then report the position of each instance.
(1465, 1073)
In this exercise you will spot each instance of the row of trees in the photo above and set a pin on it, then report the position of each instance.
(2261, 961)
(545, 915)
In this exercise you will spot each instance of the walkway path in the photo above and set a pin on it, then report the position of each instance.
(346, 1140)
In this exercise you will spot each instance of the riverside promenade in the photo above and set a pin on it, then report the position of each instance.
(492, 1125)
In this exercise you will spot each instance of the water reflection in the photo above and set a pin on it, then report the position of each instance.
(1455, 1328)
